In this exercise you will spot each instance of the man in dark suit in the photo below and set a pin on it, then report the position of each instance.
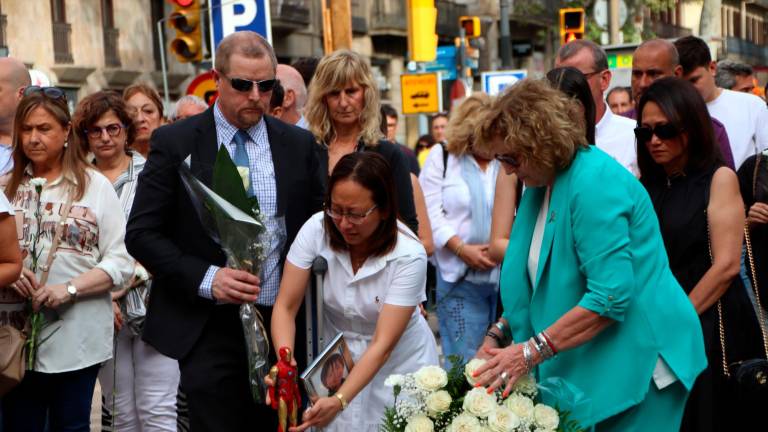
(193, 308)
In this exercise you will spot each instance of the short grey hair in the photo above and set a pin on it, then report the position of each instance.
(728, 70)
(188, 99)
(574, 47)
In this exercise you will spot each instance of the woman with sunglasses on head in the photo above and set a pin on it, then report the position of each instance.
(80, 205)
(587, 291)
(701, 215)
(139, 384)
(343, 114)
(573, 83)
(374, 283)
(458, 180)
(146, 108)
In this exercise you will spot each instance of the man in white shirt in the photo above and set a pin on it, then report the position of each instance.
(744, 116)
(613, 134)
(295, 96)
(13, 79)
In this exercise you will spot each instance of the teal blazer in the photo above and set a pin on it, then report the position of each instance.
(601, 250)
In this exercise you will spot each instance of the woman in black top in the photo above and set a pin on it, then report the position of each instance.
(753, 182)
(697, 201)
(343, 114)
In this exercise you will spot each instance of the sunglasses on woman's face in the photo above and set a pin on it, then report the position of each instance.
(245, 86)
(50, 92)
(663, 131)
(510, 160)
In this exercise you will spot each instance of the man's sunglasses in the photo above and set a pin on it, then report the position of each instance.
(662, 131)
(50, 92)
(508, 159)
(245, 86)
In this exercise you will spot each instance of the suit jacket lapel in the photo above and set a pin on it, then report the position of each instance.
(555, 211)
(205, 148)
(522, 230)
(280, 160)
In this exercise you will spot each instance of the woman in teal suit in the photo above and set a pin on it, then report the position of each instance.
(586, 287)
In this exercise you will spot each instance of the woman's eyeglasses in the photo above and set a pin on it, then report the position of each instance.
(662, 131)
(510, 160)
(113, 130)
(245, 86)
(50, 92)
(353, 218)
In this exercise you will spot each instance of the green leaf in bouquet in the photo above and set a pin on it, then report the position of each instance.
(228, 184)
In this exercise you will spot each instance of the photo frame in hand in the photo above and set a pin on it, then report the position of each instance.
(327, 373)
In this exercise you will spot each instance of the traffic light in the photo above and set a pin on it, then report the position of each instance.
(471, 26)
(572, 21)
(185, 19)
(422, 22)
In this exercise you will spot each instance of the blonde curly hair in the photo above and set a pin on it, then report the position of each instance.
(334, 72)
(460, 132)
(538, 123)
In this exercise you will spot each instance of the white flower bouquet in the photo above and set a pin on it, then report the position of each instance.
(435, 400)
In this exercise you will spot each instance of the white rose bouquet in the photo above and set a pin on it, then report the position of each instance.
(433, 399)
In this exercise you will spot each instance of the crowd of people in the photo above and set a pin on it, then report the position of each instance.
(591, 235)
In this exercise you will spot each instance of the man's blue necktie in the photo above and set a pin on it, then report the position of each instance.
(241, 156)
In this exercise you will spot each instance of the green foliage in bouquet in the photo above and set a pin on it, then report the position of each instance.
(228, 184)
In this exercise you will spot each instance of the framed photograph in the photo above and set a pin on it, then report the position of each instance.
(327, 373)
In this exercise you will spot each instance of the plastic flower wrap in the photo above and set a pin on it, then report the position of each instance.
(233, 220)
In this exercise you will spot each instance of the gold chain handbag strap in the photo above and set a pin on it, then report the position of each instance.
(721, 327)
(760, 311)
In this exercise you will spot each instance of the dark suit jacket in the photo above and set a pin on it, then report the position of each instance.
(165, 235)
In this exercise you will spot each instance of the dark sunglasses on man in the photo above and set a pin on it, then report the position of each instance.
(662, 131)
(50, 92)
(245, 86)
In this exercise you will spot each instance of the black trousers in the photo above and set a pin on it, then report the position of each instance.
(214, 376)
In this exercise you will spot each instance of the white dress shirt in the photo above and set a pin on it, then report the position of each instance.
(615, 135)
(93, 238)
(352, 305)
(449, 208)
(745, 118)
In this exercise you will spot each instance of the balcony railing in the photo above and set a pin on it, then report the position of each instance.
(290, 13)
(111, 47)
(359, 19)
(751, 52)
(389, 16)
(62, 48)
(448, 14)
(668, 31)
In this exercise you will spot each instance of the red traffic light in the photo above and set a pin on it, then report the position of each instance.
(184, 3)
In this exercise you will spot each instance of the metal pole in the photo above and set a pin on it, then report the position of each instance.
(161, 40)
(506, 42)
(613, 20)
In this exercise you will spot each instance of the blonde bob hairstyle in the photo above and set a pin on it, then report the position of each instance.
(335, 72)
(460, 132)
(537, 123)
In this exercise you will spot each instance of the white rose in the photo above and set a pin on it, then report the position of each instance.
(431, 378)
(520, 405)
(464, 423)
(438, 402)
(470, 368)
(38, 183)
(546, 417)
(479, 403)
(245, 176)
(502, 419)
(526, 385)
(394, 380)
(419, 423)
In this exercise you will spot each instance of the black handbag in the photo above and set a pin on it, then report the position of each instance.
(748, 379)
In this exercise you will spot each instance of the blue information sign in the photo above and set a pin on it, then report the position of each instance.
(229, 16)
(445, 62)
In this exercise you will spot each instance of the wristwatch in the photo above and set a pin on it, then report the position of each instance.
(72, 291)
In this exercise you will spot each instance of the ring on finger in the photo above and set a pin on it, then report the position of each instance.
(22, 277)
(504, 376)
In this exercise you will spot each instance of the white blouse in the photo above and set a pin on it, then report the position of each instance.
(93, 238)
(5, 206)
(352, 303)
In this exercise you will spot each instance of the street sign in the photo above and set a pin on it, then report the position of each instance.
(445, 62)
(204, 87)
(495, 82)
(618, 61)
(229, 16)
(421, 93)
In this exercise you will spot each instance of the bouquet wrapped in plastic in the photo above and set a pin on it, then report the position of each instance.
(233, 220)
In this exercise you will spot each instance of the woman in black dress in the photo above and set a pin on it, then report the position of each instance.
(753, 181)
(697, 201)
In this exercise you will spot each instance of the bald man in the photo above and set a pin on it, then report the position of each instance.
(658, 58)
(13, 78)
(295, 95)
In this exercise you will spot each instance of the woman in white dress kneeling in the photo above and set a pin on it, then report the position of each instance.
(372, 289)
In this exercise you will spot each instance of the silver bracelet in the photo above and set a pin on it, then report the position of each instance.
(542, 347)
(503, 329)
(527, 357)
